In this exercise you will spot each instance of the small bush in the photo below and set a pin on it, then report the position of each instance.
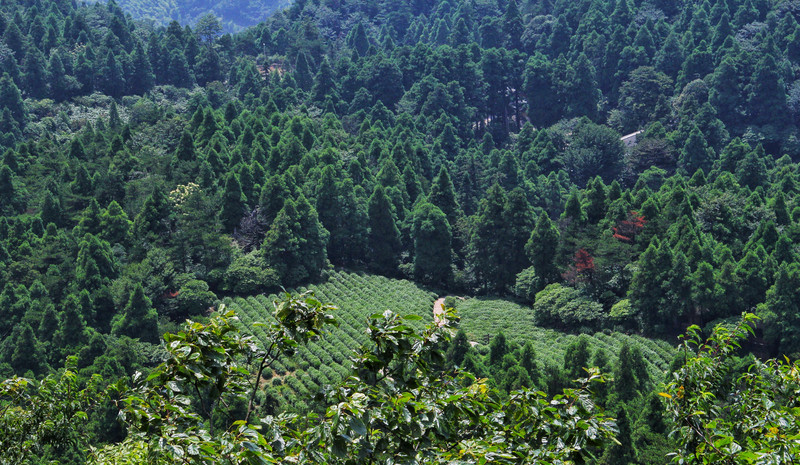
(249, 274)
(528, 284)
(567, 307)
(144, 112)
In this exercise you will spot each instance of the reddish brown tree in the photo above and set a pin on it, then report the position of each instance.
(582, 269)
(584, 262)
(627, 229)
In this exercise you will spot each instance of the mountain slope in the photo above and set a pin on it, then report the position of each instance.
(298, 379)
(235, 15)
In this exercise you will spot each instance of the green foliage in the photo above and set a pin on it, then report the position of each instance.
(482, 318)
(443, 195)
(432, 246)
(644, 97)
(46, 413)
(576, 357)
(233, 203)
(422, 116)
(249, 274)
(194, 295)
(295, 244)
(594, 150)
(565, 307)
(356, 297)
(779, 311)
(528, 284)
(138, 319)
(11, 99)
(713, 426)
(541, 249)
(384, 237)
(359, 411)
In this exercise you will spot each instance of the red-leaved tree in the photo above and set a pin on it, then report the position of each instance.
(582, 269)
(584, 262)
(628, 229)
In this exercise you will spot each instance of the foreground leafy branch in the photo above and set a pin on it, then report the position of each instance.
(723, 417)
(398, 406)
(35, 414)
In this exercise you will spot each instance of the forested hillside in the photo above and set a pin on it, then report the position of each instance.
(234, 15)
(616, 166)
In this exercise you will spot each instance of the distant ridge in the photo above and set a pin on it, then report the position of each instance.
(235, 15)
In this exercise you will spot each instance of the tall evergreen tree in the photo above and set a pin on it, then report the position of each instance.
(186, 149)
(51, 210)
(152, 222)
(646, 291)
(13, 38)
(344, 215)
(89, 220)
(357, 39)
(71, 327)
(766, 95)
(487, 245)
(114, 120)
(726, 92)
(61, 85)
(576, 358)
(497, 349)
(314, 237)
(519, 222)
(582, 88)
(179, 73)
(623, 452)
(781, 309)
(10, 200)
(512, 26)
(573, 209)
(384, 237)
(273, 195)
(142, 78)
(138, 319)
(295, 243)
(24, 352)
(458, 349)
(432, 245)
(752, 169)
(233, 203)
(670, 58)
(114, 224)
(112, 77)
(208, 67)
(597, 197)
(443, 195)
(95, 264)
(324, 86)
(625, 382)
(542, 247)
(302, 72)
(36, 77)
(696, 153)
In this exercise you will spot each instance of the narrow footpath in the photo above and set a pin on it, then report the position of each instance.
(438, 311)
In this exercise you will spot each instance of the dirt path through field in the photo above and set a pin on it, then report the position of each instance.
(438, 311)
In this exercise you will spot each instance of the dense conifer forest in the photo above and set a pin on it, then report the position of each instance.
(234, 15)
(613, 170)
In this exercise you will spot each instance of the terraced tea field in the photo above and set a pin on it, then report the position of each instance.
(358, 296)
(326, 361)
(482, 317)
